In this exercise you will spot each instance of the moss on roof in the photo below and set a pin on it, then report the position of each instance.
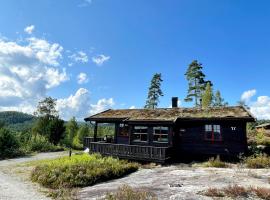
(172, 114)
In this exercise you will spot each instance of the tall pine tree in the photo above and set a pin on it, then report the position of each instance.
(218, 100)
(154, 92)
(196, 82)
(207, 97)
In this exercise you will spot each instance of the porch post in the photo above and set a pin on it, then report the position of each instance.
(116, 132)
(95, 132)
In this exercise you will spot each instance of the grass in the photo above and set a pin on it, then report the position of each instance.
(127, 193)
(236, 191)
(257, 161)
(80, 171)
(215, 162)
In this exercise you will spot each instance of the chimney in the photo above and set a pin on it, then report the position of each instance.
(174, 102)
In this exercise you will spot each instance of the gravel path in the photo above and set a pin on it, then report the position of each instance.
(181, 182)
(13, 187)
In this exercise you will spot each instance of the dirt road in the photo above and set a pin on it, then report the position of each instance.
(14, 187)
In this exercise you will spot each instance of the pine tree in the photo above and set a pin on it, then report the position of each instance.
(218, 100)
(207, 97)
(196, 82)
(154, 92)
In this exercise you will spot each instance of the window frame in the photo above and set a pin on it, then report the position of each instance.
(213, 129)
(161, 134)
(134, 133)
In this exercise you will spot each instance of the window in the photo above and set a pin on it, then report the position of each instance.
(123, 130)
(160, 134)
(213, 132)
(140, 134)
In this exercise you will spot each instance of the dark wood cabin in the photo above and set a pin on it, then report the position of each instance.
(163, 133)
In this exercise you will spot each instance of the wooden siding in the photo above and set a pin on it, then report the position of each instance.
(193, 139)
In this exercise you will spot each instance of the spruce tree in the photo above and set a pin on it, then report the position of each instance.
(154, 92)
(196, 82)
(207, 96)
(218, 100)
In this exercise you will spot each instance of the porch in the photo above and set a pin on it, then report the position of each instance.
(125, 151)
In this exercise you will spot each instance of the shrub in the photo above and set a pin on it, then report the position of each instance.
(258, 161)
(261, 192)
(235, 191)
(9, 144)
(214, 192)
(80, 170)
(76, 144)
(215, 162)
(127, 193)
(40, 143)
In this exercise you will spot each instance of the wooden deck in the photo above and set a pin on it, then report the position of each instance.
(131, 152)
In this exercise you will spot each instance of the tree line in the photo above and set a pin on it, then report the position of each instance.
(200, 91)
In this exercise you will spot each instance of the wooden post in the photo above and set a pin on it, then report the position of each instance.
(95, 132)
(116, 132)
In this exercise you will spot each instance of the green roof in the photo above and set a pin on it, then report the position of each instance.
(173, 114)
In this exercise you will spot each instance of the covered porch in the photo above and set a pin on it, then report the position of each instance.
(126, 151)
(133, 140)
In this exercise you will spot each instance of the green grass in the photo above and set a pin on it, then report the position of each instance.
(215, 162)
(80, 171)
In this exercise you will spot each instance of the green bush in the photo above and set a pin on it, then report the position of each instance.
(80, 170)
(258, 161)
(9, 144)
(41, 144)
(215, 162)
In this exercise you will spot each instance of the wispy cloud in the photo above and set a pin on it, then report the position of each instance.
(100, 59)
(82, 78)
(85, 3)
(29, 29)
(247, 95)
(79, 56)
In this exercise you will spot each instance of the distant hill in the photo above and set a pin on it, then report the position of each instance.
(17, 121)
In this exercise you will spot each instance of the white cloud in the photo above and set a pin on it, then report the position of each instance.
(261, 107)
(27, 72)
(82, 78)
(102, 104)
(100, 59)
(79, 105)
(247, 95)
(132, 107)
(29, 29)
(85, 3)
(79, 56)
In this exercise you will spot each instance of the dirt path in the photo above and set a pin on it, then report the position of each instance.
(180, 182)
(14, 187)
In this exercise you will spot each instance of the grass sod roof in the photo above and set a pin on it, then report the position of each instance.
(172, 114)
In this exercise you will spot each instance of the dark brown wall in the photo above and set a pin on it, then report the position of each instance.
(193, 139)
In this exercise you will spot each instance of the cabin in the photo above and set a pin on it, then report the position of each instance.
(265, 127)
(160, 134)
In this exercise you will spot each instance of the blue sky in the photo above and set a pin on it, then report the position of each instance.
(98, 54)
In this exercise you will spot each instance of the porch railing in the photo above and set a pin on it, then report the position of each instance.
(133, 152)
